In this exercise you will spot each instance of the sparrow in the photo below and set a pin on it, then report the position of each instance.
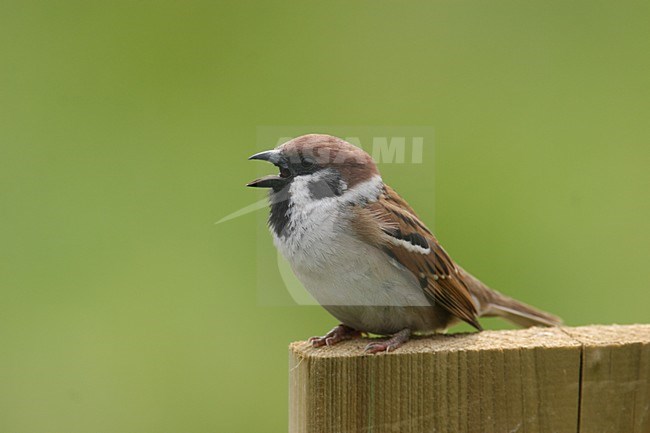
(362, 252)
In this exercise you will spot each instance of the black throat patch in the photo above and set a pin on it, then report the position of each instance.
(279, 216)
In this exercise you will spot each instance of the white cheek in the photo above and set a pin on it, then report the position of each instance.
(368, 190)
(315, 225)
(299, 191)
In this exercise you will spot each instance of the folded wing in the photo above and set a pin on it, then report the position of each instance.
(391, 224)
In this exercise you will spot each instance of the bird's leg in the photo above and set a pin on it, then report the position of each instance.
(391, 344)
(339, 333)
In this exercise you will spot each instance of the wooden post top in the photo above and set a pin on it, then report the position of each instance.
(584, 379)
(529, 338)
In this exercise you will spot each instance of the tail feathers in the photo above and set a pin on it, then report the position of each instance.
(519, 313)
(492, 303)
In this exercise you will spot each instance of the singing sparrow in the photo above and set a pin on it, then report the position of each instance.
(362, 252)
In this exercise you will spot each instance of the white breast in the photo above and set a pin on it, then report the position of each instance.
(340, 270)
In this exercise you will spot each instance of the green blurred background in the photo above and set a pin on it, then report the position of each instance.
(124, 132)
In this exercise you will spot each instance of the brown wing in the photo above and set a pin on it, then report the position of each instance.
(391, 224)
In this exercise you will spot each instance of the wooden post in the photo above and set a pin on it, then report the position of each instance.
(615, 381)
(587, 379)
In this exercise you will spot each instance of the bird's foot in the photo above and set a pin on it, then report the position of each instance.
(391, 344)
(336, 335)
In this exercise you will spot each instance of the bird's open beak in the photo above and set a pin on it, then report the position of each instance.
(272, 156)
(271, 180)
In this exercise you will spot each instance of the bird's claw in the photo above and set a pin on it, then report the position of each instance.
(391, 344)
(321, 341)
(380, 347)
(336, 335)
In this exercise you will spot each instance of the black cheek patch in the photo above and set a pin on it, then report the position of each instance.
(321, 189)
(328, 186)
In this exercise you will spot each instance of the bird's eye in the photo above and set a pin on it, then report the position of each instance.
(306, 162)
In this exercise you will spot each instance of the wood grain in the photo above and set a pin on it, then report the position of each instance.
(615, 392)
(530, 380)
